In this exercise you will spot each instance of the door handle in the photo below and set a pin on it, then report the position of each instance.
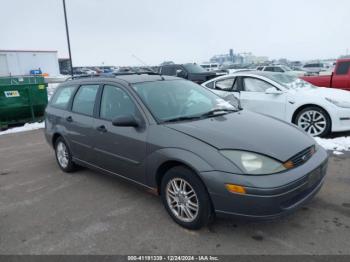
(102, 129)
(69, 119)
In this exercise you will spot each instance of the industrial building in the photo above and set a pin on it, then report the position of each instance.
(238, 58)
(22, 62)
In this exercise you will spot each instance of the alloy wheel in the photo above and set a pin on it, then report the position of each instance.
(312, 122)
(62, 154)
(182, 199)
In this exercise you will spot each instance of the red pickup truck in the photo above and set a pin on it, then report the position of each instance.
(340, 77)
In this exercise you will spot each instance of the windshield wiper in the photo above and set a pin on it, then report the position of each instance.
(207, 114)
(215, 112)
(181, 118)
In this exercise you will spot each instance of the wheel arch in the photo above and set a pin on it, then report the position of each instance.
(166, 166)
(301, 107)
(55, 136)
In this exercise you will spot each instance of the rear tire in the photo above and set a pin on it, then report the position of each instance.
(185, 198)
(314, 120)
(63, 156)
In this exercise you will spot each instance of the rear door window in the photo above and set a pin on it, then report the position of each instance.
(169, 70)
(84, 100)
(225, 84)
(62, 97)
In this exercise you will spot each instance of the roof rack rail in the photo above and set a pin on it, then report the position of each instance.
(135, 73)
(112, 74)
(84, 76)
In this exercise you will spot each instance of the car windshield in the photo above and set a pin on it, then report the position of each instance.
(194, 68)
(179, 100)
(290, 81)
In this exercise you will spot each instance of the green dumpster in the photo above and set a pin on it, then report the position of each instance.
(22, 100)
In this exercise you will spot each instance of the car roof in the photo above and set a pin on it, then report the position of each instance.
(251, 73)
(248, 73)
(133, 79)
(182, 64)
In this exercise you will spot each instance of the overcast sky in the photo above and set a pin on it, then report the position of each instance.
(112, 31)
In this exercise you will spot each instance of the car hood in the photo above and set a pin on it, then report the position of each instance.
(325, 92)
(245, 130)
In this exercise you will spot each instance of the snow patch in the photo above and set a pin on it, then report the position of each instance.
(335, 144)
(26, 127)
(338, 153)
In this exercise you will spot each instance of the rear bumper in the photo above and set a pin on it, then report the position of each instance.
(268, 202)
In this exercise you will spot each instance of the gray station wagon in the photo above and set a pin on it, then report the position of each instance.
(202, 155)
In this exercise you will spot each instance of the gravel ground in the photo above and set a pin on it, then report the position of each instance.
(45, 211)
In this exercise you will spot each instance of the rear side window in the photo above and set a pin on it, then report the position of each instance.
(343, 68)
(269, 69)
(278, 69)
(62, 97)
(84, 100)
(168, 70)
(210, 85)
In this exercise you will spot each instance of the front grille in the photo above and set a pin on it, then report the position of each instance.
(302, 156)
(312, 184)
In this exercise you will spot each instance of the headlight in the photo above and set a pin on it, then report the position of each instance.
(345, 104)
(252, 163)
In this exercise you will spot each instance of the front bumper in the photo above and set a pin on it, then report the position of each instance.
(267, 196)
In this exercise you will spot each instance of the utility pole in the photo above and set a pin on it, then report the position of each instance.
(67, 32)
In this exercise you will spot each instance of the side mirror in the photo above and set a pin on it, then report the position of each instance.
(273, 91)
(128, 120)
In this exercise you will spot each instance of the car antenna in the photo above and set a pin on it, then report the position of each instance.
(147, 66)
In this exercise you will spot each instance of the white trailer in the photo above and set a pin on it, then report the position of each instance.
(20, 62)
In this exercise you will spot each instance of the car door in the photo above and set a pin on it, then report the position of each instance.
(119, 149)
(341, 78)
(79, 121)
(254, 97)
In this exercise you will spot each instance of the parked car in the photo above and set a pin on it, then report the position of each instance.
(339, 78)
(88, 71)
(280, 69)
(192, 72)
(202, 155)
(318, 111)
(210, 66)
(314, 68)
(78, 71)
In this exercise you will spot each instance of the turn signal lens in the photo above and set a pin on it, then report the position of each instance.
(288, 165)
(235, 189)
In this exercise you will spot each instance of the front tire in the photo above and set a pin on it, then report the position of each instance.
(314, 120)
(185, 198)
(63, 156)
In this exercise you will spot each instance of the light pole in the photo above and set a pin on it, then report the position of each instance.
(67, 32)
